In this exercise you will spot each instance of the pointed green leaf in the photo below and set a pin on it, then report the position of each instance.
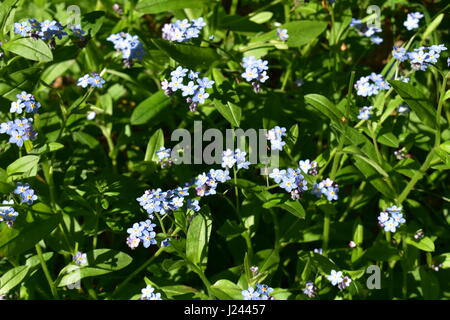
(36, 50)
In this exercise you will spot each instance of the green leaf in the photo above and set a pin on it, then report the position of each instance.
(85, 139)
(154, 144)
(261, 17)
(230, 112)
(188, 55)
(226, 290)
(13, 278)
(429, 284)
(294, 207)
(300, 32)
(324, 106)
(36, 50)
(26, 232)
(418, 101)
(15, 82)
(99, 262)
(433, 26)
(157, 6)
(23, 167)
(34, 261)
(388, 139)
(324, 264)
(424, 244)
(55, 70)
(197, 239)
(5, 10)
(149, 108)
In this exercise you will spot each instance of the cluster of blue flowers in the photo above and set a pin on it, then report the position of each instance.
(206, 183)
(336, 279)
(164, 157)
(371, 85)
(326, 187)
(367, 31)
(26, 193)
(25, 101)
(419, 58)
(183, 30)
(275, 136)
(129, 45)
(7, 213)
(141, 231)
(293, 181)
(21, 129)
(255, 71)
(391, 218)
(148, 293)
(412, 20)
(262, 292)
(365, 113)
(45, 30)
(93, 80)
(194, 90)
(230, 158)
(163, 202)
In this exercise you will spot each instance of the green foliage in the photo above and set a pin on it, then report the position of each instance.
(95, 153)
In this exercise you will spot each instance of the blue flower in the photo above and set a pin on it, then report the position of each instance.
(205, 83)
(129, 45)
(96, 81)
(200, 96)
(22, 28)
(165, 243)
(365, 113)
(193, 205)
(93, 80)
(136, 230)
(148, 294)
(275, 135)
(288, 183)
(264, 289)
(148, 238)
(255, 71)
(399, 53)
(17, 107)
(179, 72)
(189, 89)
(7, 213)
(412, 20)
(28, 197)
(250, 294)
(282, 34)
(80, 258)
(277, 175)
(335, 277)
(17, 137)
(183, 30)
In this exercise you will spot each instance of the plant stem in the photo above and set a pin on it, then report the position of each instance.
(142, 267)
(47, 272)
(326, 232)
(437, 141)
(417, 176)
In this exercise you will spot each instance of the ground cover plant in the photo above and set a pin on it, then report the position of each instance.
(349, 98)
